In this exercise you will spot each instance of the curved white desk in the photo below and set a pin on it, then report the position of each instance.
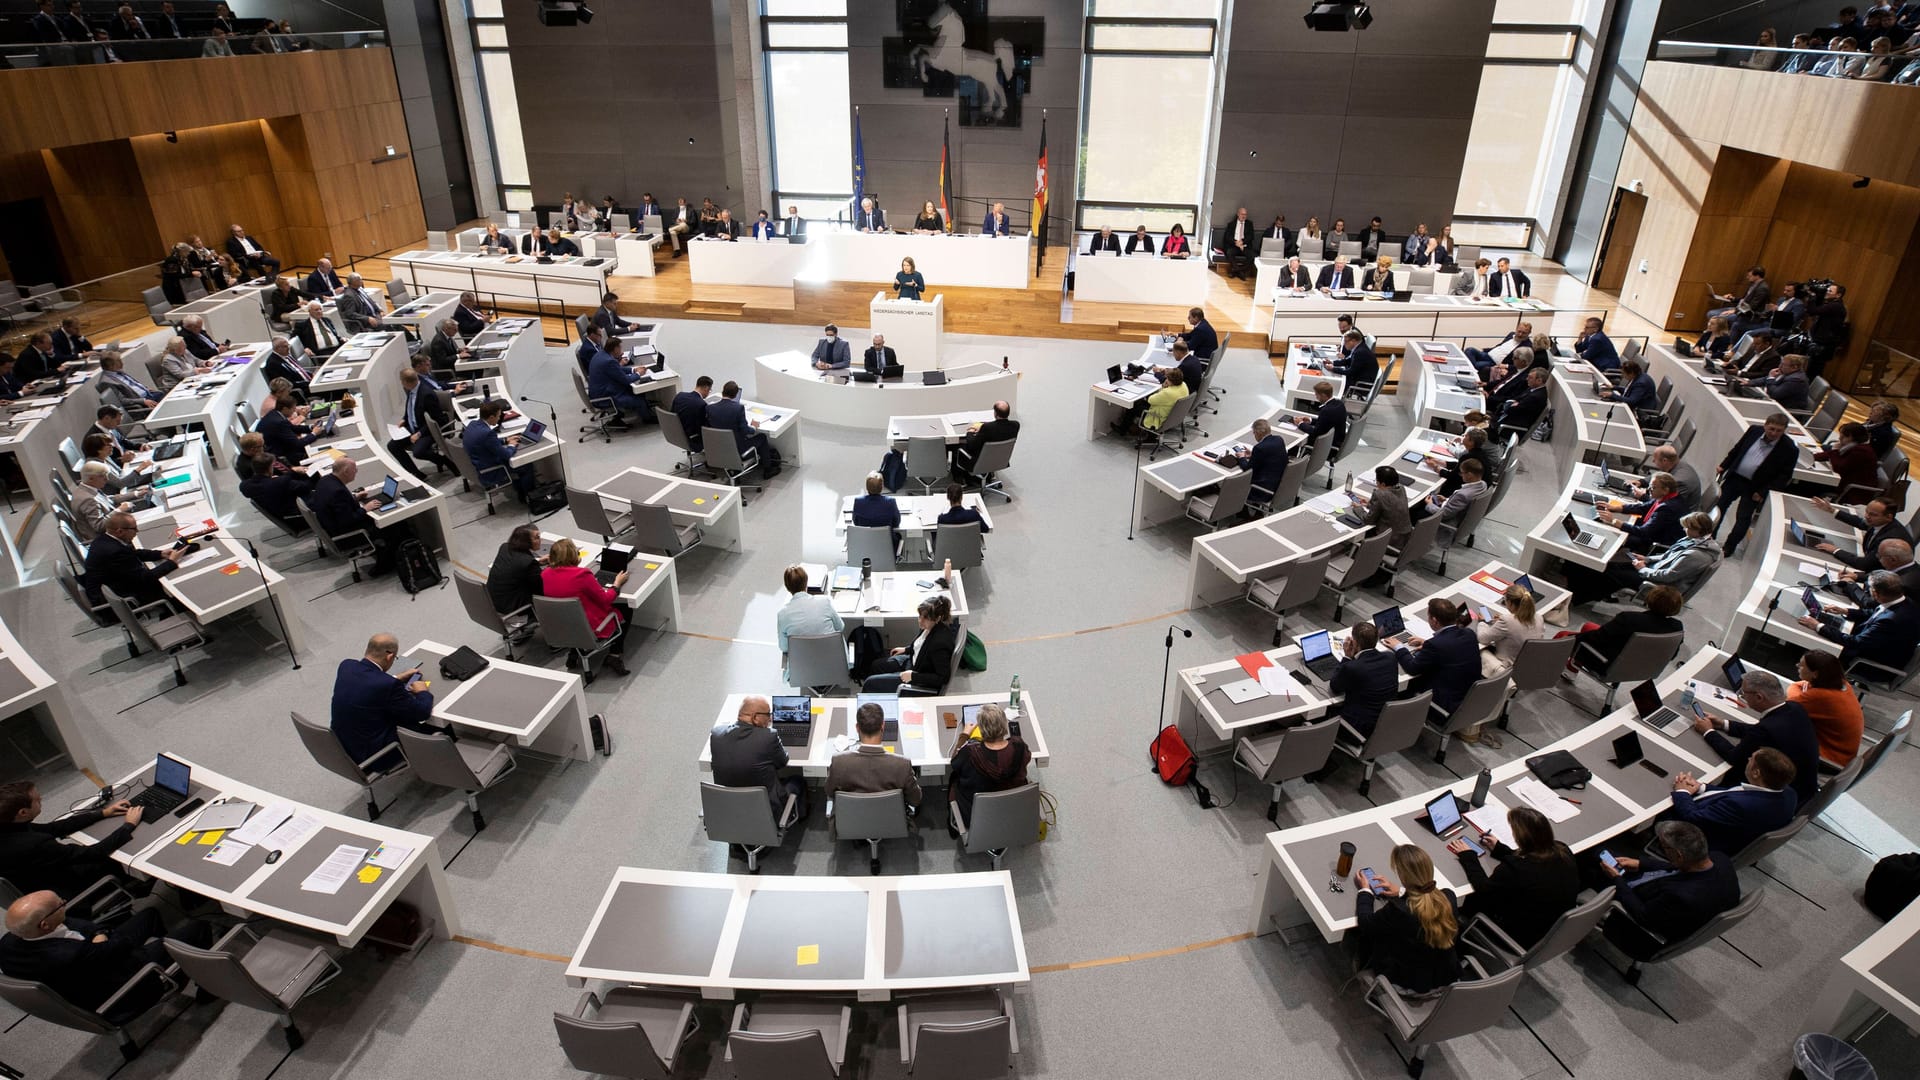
(787, 378)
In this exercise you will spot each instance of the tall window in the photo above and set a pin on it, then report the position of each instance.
(809, 104)
(488, 20)
(1150, 80)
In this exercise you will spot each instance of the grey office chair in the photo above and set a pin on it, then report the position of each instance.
(1462, 1008)
(1867, 675)
(397, 292)
(352, 546)
(789, 1037)
(1297, 585)
(631, 1032)
(1346, 572)
(965, 545)
(1420, 279)
(193, 289)
(1001, 820)
(927, 462)
(1767, 843)
(590, 512)
(1461, 531)
(1537, 666)
(601, 411)
(963, 1036)
(1643, 657)
(1318, 454)
(872, 817)
(497, 480)
(728, 461)
(101, 614)
(146, 988)
(470, 765)
(995, 458)
(324, 747)
(874, 542)
(1877, 753)
(157, 304)
(157, 627)
(563, 622)
(1397, 728)
(654, 530)
(742, 817)
(75, 550)
(677, 437)
(70, 453)
(816, 662)
(271, 971)
(1482, 705)
(1223, 504)
(1288, 493)
(478, 603)
(582, 324)
(1831, 790)
(1482, 937)
(1286, 754)
(1714, 927)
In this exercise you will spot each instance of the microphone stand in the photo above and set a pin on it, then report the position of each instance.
(553, 422)
(1133, 512)
(1201, 793)
(260, 569)
(1771, 605)
(1604, 425)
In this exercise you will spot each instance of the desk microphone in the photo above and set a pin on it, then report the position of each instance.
(553, 417)
(1771, 606)
(260, 569)
(1604, 425)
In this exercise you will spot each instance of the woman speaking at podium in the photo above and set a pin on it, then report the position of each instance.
(908, 284)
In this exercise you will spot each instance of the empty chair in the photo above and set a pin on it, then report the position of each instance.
(789, 1037)
(1397, 728)
(563, 622)
(927, 461)
(271, 971)
(478, 603)
(963, 1036)
(158, 628)
(1345, 572)
(1223, 504)
(1538, 664)
(1483, 937)
(676, 435)
(1483, 703)
(101, 614)
(49, 297)
(1350, 249)
(620, 222)
(324, 746)
(1287, 494)
(601, 412)
(964, 544)
(1286, 754)
(157, 304)
(193, 289)
(1469, 520)
(872, 817)
(1714, 927)
(590, 513)
(654, 530)
(727, 460)
(994, 458)
(1001, 820)
(497, 480)
(631, 1032)
(146, 988)
(1643, 657)
(1461, 1008)
(1298, 587)
(397, 292)
(1767, 843)
(1318, 454)
(1831, 790)
(1878, 752)
(471, 765)
(742, 816)
(816, 661)
(1420, 280)
(871, 542)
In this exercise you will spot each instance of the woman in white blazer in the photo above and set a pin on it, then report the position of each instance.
(1514, 623)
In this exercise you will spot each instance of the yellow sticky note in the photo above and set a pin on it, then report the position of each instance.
(818, 709)
(211, 837)
(653, 566)
(806, 955)
(186, 838)
(699, 502)
(369, 875)
(888, 747)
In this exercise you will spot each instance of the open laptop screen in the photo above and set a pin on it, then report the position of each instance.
(173, 774)
(792, 710)
(1316, 645)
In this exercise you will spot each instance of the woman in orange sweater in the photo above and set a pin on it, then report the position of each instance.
(1837, 720)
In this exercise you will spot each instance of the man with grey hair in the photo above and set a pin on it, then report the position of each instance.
(318, 332)
(1267, 458)
(116, 561)
(90, 501)
(283, 362)
(178, 365)
(86, 963)
(1666, 458)
(359, 308)
(1664, 900)
(341, 512)
(1783, 725)
(1885, 638)
(1895, 555)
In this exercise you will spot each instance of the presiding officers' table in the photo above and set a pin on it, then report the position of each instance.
(926, 739)
(871, 936)
(769, 263)
(829, 397)
(985, 262)
(1297, 873)
(168, 848)
(1142, 278)
(716, 508)
(1884, 970)
(529, 707)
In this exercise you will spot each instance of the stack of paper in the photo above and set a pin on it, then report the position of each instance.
(1531, 791)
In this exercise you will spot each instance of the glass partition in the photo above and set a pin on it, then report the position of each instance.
(109, 50)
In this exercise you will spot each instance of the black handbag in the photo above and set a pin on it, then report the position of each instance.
(461, 664)
(1560, 770)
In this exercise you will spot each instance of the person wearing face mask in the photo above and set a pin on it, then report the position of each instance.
(831, 353)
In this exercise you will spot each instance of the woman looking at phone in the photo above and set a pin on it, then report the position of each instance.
(1532, 883)
(1407, 932)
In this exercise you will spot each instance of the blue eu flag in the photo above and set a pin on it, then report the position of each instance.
(859, 163)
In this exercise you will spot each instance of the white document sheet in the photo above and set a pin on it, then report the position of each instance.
(336, 870)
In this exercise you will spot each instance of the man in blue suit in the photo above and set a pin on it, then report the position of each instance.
(592, 343)
(323, 281)
(1886, 637)
(877, 508)
(492, 456)
(1659, 515)
(607, 377)
(1735, 815)
(1638, 393)
(1664, 900)
(371, 701)
(1446, 663)
(1367, 678)
(832, 353)
(1357, 360)
(1596, 348)
(1267, 457)
(997, 222)
(1199, 335)
(728, 414)
(1783, 725)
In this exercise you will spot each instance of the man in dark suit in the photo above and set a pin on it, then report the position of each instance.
(169, 23)
(1330, 414)
(595, 339)
(86, 963)
(273, 487)
(1596, 348)
(1288, 239)
(746, 753)
(725, 228)
(1199, 335)
(127, 26)
(420, 410)
(371, 701)
(832, 353)
(1896, 556)
(536, 243)
(608, 319)
(1104, 240)
(560, 246)
(1524, 411)
(609, 206)
(68, 342)
(250, 255)
(74, 23)
(469, 317)
(107, 420)
(1192, 369)
(1761, 461)
(681, 224)
(1140, 242)
(880, 357)
(359, 307)
(1448, 663)
(286, 438)
(282, 362)
(1241, 241)
(1507, 281)
(1335, 275)
(1750, 305)
(957, 514)
(31, 854)
(1372, 239)
(193, 329)
(1782, 725)
(340, 512)
(1664, 900)
(1266, 458)
(999, 429)
(115, 562)
(323, 282)
(607, 377)
(728, 414)
(869, 218)
(46, 24)
(1733, 815)
(1883, 432)
(1295, 277)
(1887, 637)
(691, 407)
(492, 456)
(1367, 676)
(1659, 515)
(996, 222)
(1880, 525)
(318, 332)
(37, 361)
(1357, 361)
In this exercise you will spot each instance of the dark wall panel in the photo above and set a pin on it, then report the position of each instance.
(1350, 125)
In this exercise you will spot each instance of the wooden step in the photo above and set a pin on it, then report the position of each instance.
(733, 309)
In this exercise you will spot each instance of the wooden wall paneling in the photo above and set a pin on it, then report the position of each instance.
(210, 179)
(104, 219)
(1899, 324)
(304, 228)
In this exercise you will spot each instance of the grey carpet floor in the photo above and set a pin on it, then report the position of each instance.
(1134, 874)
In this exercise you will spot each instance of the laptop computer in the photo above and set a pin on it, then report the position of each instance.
(889, 708)
(172, 779)
(167, 451)
(1113, 375)
(1400, 296)
(534, 431)
(1646, 701)
(1579, 535)
(1390, 623)
(1525, 581)
(1588, 497)
(1316, 654)
(933, 378)
(792, 717)
(613, 560)
(1612, 482)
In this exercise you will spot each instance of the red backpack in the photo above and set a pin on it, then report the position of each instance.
(1176, 764)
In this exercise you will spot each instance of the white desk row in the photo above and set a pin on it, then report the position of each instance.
(830, 397)
(1787, 568)
(1721, 420)
(929, 728)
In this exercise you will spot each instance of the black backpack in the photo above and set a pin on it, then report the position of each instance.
(1893, 884)
(869, 648)
(419, 570)
(893, 471)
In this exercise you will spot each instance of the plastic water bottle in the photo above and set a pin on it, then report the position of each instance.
(1687, 696)
(1013, 694)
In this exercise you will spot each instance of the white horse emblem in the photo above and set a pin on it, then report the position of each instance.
(949, 54)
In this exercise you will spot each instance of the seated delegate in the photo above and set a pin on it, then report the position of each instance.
(514, 580)
(371, 701)
(747, 754)
(805, 613)
(989, 759)
(1823, 691)
(956, 514)
(869, 768)
(1367, 677)
(1662, 900)
(87, 963)
(564, 577)
(1406, 932)
(1533, 883)
(831, 353)
(1738, 812)
(1886, 637)
(33, 855)
(927, 663)
(1660, 616)
(1782, 725)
